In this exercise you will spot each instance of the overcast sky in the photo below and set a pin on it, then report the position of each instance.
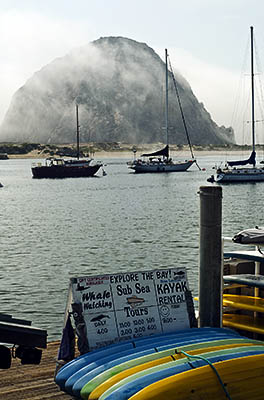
(206, 39)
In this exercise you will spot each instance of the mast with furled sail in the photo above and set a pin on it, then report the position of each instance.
(230, 173)
(252, 159)
(155, 163)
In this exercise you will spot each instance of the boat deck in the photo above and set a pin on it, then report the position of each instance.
(34, 382)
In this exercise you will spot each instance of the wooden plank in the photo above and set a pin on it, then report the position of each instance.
(9, 318)
(34, 382)
(244, 322)
(22, 335)
(5, 316)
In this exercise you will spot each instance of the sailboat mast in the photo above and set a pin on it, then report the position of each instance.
(77, 132)
(252, 90)
(167, 101)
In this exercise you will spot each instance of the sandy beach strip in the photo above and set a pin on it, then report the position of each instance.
(130, 155)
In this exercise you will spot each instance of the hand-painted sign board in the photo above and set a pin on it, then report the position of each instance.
(126, 306)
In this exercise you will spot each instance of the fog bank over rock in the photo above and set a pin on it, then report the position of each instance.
(119, 85)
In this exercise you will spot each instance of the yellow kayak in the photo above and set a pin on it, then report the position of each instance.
(242, 377)
(244, 302)
(103, 387)
(244, 322)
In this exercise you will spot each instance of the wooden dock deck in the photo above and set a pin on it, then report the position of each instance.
(32, 382)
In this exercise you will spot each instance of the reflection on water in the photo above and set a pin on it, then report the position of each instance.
(52, 230)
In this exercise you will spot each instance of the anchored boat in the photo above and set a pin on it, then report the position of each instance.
(63, 168)
(160, 161)
(230, 173)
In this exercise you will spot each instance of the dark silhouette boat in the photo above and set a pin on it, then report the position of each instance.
(63, 168)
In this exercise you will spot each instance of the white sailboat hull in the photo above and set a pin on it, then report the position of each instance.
(151, 167)
(240, 175)
(232, 173)
(160, 161)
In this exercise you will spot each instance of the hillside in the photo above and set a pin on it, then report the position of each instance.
(119, 86)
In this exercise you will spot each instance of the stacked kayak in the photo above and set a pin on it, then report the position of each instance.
(214, 360)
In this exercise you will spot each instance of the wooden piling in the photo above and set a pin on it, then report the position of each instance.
(210, 268)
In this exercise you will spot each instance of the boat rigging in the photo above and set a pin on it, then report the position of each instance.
(64, 168)
(160, 161)
(230, 173)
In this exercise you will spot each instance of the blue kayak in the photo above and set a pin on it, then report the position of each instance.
(140, 344)
(75, 382)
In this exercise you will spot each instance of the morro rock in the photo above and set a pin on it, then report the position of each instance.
(119, 86)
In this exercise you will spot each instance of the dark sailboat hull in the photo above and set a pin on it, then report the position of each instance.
(62, 171)
(58, 168)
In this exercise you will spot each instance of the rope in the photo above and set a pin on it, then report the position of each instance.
(181, 110)
(182, 115)
(200, 169)
(211, 365)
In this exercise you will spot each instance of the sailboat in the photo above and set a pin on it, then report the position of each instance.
(160, 161)
(63, 168)
(230, 173)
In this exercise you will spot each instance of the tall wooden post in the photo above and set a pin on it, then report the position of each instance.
(210, 268)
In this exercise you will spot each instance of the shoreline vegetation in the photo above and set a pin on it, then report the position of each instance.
(112, 149)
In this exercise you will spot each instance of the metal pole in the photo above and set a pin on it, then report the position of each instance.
(210, 268)
(166, 99)
(77, 132)
(252, 89)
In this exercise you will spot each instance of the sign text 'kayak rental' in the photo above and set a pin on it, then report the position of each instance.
(131, 305)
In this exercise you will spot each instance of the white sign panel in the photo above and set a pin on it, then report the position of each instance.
(130, 305)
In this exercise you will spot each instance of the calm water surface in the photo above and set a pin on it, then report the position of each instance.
(52, 230)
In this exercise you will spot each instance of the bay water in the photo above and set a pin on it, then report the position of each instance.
(52, 230)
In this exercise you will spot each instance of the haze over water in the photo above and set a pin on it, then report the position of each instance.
(52, 230)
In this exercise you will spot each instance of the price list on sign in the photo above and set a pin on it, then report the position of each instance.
(126, 306)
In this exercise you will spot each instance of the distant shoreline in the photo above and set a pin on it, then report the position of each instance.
(115, 150)
(130, 155)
